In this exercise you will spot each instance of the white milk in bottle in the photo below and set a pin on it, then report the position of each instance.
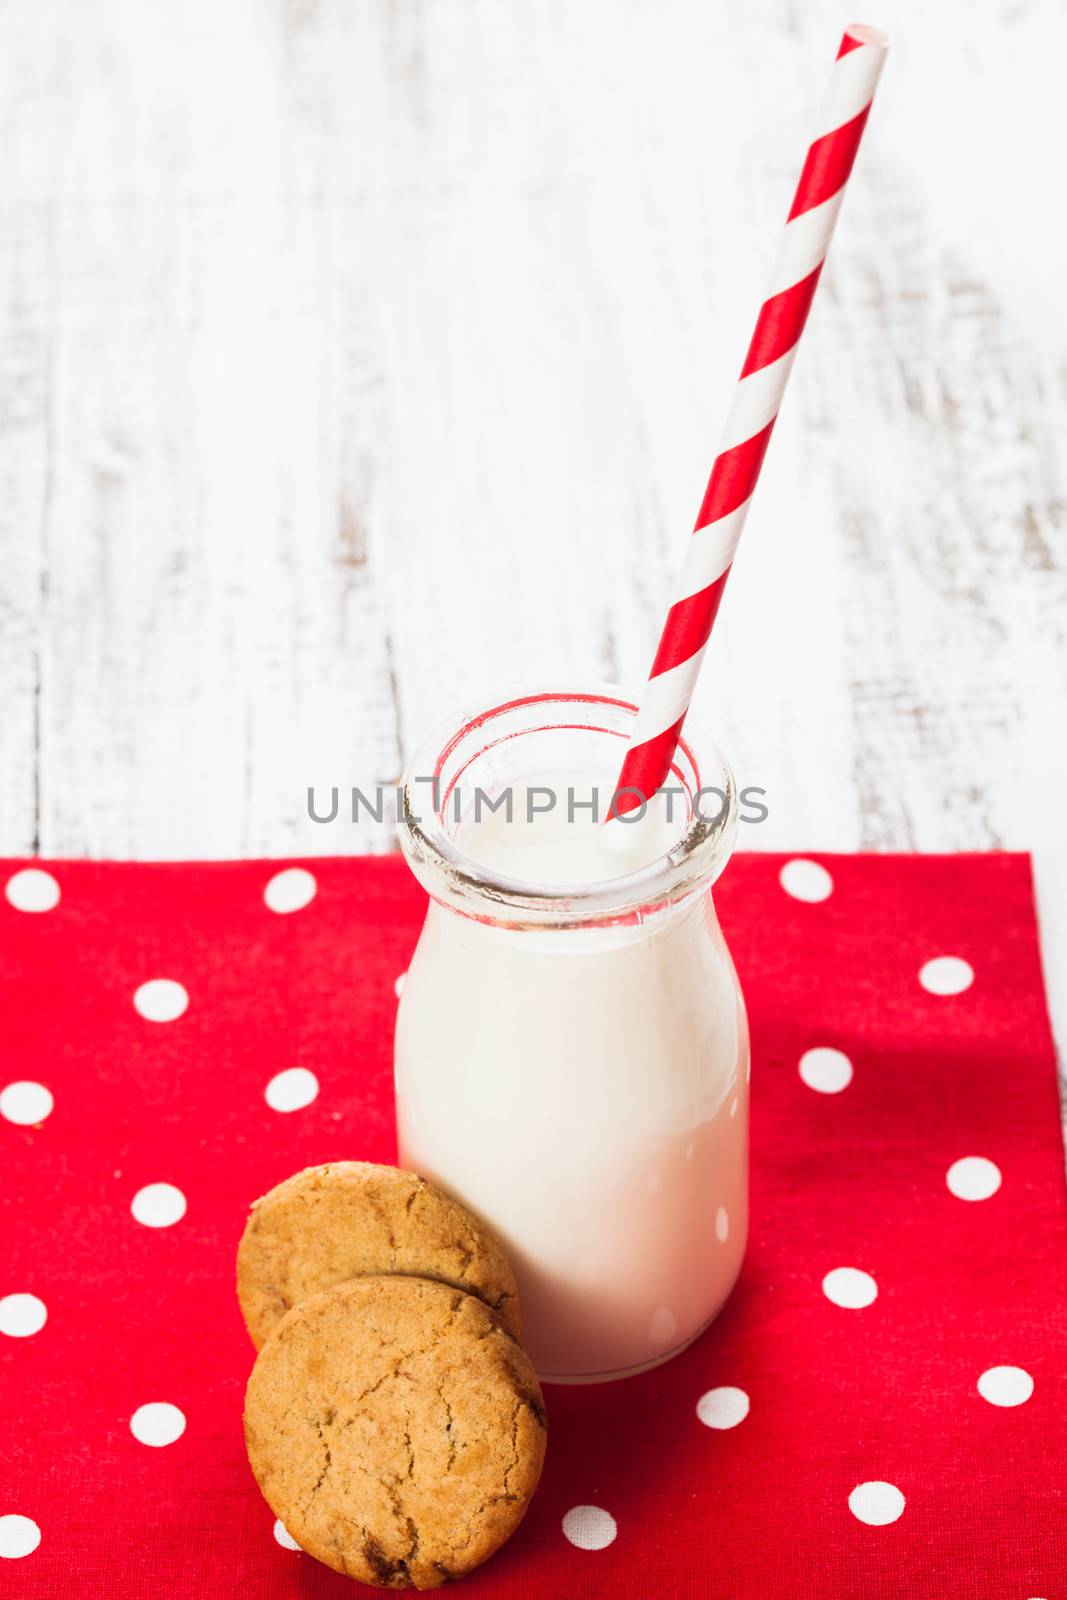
(571, 1047)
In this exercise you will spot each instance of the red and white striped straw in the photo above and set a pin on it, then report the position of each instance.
(809, 228)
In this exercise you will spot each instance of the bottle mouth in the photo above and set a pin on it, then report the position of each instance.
(558, 729)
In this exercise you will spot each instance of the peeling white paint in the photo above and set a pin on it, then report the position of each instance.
(357, 357)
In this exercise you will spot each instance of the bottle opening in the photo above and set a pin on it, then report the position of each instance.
(504, 814)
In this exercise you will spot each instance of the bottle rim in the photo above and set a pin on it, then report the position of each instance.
(455, 879)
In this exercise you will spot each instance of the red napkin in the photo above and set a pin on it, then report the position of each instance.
(835, 1411)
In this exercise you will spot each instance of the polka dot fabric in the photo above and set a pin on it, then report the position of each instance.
(878, 1411)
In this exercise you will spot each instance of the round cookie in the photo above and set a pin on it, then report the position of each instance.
(340, 1221)
(396, 1429)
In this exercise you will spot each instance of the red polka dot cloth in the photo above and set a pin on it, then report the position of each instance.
(879, 1411)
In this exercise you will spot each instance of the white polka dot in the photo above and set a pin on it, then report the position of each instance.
(946, 975)
(876, 1503)
(663, 1327)
(806, 880)
(161, 1000)
(32, 890)
(825, 1070)
(292, 1089)
(589, 1527)
(19, 1536)
(723, 1408)
(722, 1225)
(973, 1178)
(22, 1315)
(157, 1423)
(284, 1537)
(1006, 1386)
(26, 1103)
(290, 890)
(398, 986)
(158, 1205)
(850, 1288)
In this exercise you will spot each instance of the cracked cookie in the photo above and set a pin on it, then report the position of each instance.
(340, 1221)
(396, 1429)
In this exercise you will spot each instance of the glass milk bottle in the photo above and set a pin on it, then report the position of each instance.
(571, 1047)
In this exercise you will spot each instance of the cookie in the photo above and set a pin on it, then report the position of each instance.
(331, 1223)
(396, 1429)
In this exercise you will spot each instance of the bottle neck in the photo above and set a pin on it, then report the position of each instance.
(646, 924)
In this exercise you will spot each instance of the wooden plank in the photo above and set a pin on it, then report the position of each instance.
(213, 627)
(27, 455)
(362, 359)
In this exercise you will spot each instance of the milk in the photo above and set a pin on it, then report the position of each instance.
(572, 842)
(585, 1090)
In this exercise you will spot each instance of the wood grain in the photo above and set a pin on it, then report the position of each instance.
(359, 359)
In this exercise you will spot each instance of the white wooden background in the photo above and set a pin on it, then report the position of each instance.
(360, 356)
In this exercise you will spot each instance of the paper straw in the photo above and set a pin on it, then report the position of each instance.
(735, 472)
